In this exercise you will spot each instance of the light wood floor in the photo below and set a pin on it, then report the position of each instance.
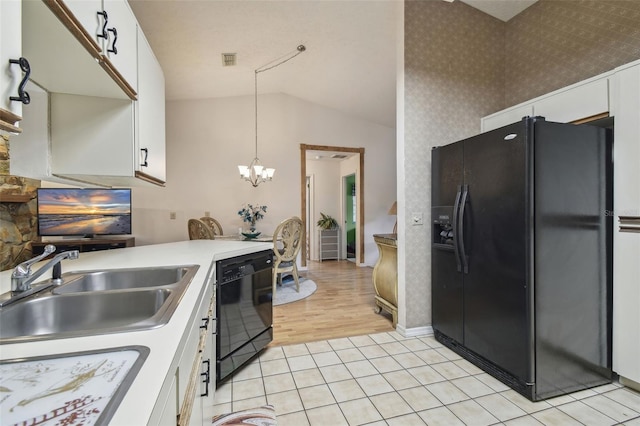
(342, 306)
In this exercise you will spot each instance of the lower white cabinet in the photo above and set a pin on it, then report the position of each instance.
(187, 395)
(168, 410)
(196, 383)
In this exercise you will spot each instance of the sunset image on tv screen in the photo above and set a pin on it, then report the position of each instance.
(84, 211)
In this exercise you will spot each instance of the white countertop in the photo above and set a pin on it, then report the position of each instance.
(164, 341)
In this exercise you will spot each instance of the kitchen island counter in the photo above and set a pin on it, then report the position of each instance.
(164, 342)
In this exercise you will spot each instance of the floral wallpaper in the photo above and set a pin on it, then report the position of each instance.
(555, 43)
(454, 59)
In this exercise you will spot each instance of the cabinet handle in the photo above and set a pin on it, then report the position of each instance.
(113, 49)
(26, 69)
(206, 322)
(207, 377)
(145, 163)
(104, 25)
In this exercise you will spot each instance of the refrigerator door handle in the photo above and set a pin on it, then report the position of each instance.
(460, 227)
(456, 232)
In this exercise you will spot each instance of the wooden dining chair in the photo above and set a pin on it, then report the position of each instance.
(198, 230)
(287, 241)
(213, 224)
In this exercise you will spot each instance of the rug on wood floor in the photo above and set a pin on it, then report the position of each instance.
(286, 293)
(262, 416)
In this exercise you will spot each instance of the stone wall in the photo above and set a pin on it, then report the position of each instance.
(18, 223)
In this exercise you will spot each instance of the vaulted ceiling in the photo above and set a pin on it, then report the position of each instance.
(349, 64)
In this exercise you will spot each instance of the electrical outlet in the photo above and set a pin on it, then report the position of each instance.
(172, 215)
(416, 219)
(207, 214)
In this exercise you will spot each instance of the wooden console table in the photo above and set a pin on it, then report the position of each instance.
(385, 275)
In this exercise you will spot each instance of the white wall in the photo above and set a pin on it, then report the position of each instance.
(207, 139)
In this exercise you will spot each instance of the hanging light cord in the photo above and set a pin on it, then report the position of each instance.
(301, 48)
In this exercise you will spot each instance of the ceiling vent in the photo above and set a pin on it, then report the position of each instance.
(339, 156)
(228, 59)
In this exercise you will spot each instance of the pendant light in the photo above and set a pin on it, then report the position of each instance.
(255, 172)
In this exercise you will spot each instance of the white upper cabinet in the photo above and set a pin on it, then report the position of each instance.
(150, 115)
(506, 117)
(11, 73)
(626, 110)
(113, 27)
(59, 62)
(580, 101)
(85, 128)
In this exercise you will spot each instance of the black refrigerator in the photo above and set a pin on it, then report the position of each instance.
(522, 254)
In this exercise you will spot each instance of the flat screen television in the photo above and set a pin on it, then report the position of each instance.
(84, 212)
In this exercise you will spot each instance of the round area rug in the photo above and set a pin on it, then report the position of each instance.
(286, 293)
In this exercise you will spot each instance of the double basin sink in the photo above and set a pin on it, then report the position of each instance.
(97, 302)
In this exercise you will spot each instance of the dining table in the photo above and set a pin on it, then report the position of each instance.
(239, 237)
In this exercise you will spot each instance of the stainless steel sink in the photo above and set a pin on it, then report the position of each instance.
(121, 279)
(97, 302)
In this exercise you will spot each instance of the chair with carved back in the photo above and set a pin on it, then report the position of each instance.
(213, 224)
(198, 230)
(287, 241)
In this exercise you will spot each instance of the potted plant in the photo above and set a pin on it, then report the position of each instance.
(327, 222)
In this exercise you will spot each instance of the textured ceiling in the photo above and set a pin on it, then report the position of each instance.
(349, 65)
(501, 9)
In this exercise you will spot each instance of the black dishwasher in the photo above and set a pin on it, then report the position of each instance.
(244, 310)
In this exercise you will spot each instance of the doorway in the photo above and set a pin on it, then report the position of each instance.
(350, 213)
(309, 186)
(304, 194)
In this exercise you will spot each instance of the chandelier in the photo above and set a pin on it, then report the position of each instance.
(255, 172)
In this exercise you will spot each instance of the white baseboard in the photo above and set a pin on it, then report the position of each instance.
(630, 383)
(414, 331)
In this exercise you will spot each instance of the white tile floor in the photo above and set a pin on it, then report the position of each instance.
(387, 379)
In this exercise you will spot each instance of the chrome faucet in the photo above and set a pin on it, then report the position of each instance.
(21, 278)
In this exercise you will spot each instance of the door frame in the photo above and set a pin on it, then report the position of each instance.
(359, 189)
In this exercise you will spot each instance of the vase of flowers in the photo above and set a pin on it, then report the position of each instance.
(251, 213)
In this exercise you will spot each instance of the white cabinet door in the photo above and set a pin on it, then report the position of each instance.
(626, 249)
(209, 365)
(626, 147)
(119, 26)
(150, 114)
(626, 299)
(86, 12)
(121, 45)
(59, 62)
(582, 101)
(503, 118)
(169, 411)
(30, 154)
(10, 49)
